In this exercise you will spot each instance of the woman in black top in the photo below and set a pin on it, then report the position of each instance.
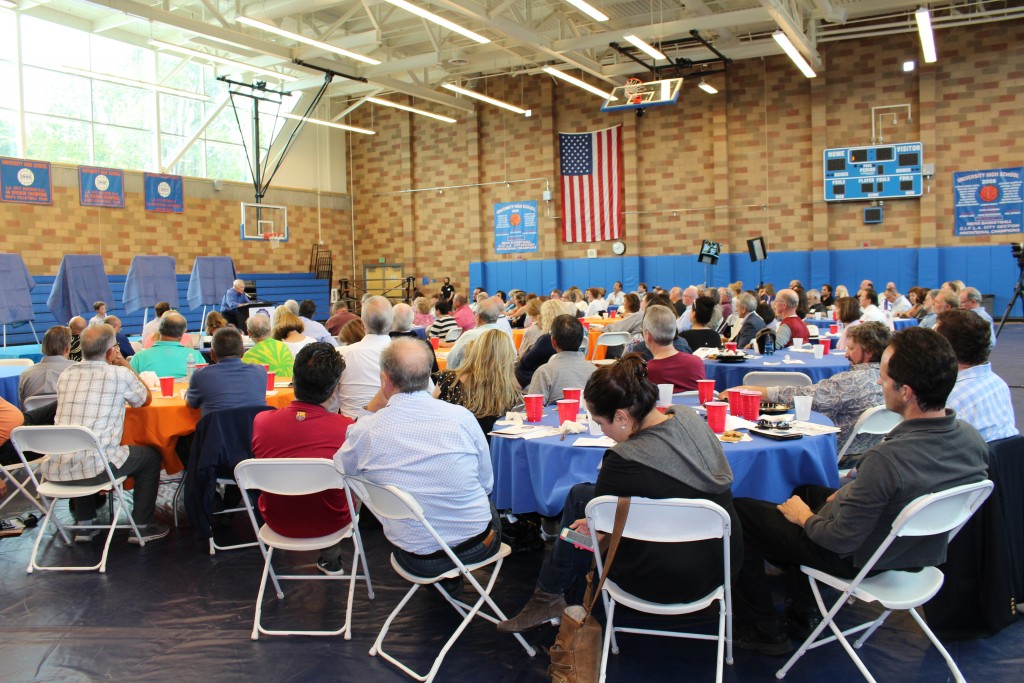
(671, 455)
(699, 333)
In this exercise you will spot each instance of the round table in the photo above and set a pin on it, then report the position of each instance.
(165, 420)
(727, 375)
(9, 376)
(534, 475)
(903, 323)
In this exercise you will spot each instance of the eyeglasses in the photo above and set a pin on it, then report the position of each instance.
(769, 424)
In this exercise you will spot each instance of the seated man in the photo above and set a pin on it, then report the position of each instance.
(979, 397)
(897, 303)
(748, 322)
(790, 325)
(402, 327)
(306, 310)
(567, 368)
(11, 418)
(153, 325)
(444, 322)
(463, 313)
(838, 531)
(41, 378)
(93, 394)
(228, 383)
(939, 300)
(310, 427)
(266, 350)
(76, 325)
(167, 357)
(669, 366)
(361, 380)
(340, 315)
(970, 300)
(434, 451)
(870, 312)
(487, 314)
(123, 345)
(844, 396)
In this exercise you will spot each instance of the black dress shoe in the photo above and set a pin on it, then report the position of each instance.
(767, 639)
(801, 623)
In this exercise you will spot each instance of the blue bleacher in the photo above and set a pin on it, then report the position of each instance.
(274, 287)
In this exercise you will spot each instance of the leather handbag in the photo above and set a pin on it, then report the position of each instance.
(576, 654)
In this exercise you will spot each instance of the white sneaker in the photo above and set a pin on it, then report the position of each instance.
(149, 532)
(86, 535)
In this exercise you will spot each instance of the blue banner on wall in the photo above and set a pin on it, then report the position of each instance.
(164, 193)
(515, 227)
(988, 202)
(24, 181)
(101, 187)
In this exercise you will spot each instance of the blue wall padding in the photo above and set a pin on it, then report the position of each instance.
(991, 269)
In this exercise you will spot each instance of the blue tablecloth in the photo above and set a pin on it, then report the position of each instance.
(9, 375)
(33, 351)
(727, 375)
(904, 323)
(534, 475)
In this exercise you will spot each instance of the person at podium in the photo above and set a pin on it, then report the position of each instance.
(233, 298)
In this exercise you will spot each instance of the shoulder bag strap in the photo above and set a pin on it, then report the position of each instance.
(621, 512)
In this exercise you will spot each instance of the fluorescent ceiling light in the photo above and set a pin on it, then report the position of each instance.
(440, 21)
(783, 40)
(645, 47)
(707, 87)
(579, 84)
(240, 66)
(136, 83)
(270, 28)
(589, 10)
(7, 4)
(421, 112)
(924, 29)
(331, 124)
(483, 98)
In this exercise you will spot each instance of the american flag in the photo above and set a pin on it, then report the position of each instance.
(591, 185)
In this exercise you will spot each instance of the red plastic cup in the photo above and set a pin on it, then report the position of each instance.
(736, 402)
(613, 313)
(706, 390)
(266, 367)
(573, 394)
(751, 405)
(730, 346)
(167, 386)
(826, 345)
(716, 416)
(567, 409)
(586, 325)
(534, 407)
(435, 342)
(833, 329)
(661, 409)
(270, 381)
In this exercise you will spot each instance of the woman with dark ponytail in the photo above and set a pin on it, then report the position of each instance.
(670, 455)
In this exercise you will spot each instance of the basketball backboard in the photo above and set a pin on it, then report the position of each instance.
(264, 222)
(639, 95)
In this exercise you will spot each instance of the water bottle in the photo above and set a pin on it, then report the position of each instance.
(769, 345)
(190, 367)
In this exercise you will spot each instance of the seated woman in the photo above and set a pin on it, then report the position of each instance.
(422, 306)
(214, 321)
(288, 329)
(699, 333)
(484, 383)
(351, 332)
(848, 313)
(671, 455)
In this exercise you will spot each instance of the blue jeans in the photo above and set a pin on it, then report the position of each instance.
(566, 565)
(439, 563)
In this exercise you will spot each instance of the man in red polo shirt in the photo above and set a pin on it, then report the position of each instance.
(308, 428)
(790, 325)
(669, 366)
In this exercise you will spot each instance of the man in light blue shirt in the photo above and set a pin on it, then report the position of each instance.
(970, 300)
(434, 451)
(487, 314)
(980, 397)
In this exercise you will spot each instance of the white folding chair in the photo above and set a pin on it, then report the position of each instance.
(943, 512)
(777, 379)
(60, 440)
(300, 477)
(26, 362)
(671, 520)
(38, 401)
(389, 502)
(26, 470)
(608, 339)
(874, 420)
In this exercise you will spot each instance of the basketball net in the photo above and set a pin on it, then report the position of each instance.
(275, 239)
(634, 88)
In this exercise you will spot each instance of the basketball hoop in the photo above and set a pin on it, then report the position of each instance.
(275, 239)
(634, 88)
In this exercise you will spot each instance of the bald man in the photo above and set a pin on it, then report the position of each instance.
(167, 357)
(77, 324)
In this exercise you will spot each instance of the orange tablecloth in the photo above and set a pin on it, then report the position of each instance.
(165, 420)
(517, 337)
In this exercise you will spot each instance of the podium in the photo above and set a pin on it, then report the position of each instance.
(240, 315)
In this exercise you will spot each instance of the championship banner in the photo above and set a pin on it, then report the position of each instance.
(515, 227)
(25, 182)
(988, 202)
(101, 187)
(164, 193)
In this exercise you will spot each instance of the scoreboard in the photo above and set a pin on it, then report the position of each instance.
(878, 172)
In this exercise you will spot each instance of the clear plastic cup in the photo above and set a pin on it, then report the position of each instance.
(802, 407)
(819, 351)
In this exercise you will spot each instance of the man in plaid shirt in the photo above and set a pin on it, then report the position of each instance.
(93, 394)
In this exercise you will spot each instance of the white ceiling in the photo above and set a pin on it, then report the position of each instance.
(526, 35)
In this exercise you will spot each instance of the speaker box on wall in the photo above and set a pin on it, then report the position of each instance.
(757, 249)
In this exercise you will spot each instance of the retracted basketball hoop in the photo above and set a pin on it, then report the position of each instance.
(636, 94)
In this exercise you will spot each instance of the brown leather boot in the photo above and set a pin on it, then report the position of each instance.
(542, 608)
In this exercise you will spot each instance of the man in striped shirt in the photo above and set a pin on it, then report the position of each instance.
(444, 322)
(979, 397)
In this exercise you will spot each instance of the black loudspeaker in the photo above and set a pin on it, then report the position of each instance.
(757, 249)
